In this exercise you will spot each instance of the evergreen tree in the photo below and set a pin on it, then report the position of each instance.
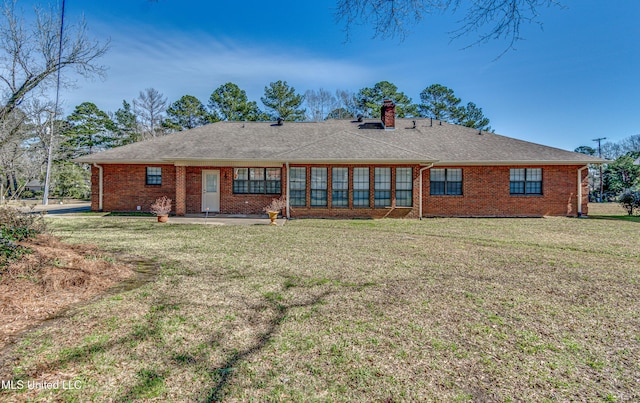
(231, 103)
(439, 102)
(472, 116)
(283, 101)
(187, 113)
(126, 125)
(89, 130)
(369, 100)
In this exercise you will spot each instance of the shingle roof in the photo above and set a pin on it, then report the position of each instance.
(337, 140)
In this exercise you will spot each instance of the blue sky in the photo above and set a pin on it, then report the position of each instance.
(571, 81)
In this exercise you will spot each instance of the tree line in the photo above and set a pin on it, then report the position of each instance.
(621, 174)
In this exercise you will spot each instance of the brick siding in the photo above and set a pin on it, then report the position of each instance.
(485, 193)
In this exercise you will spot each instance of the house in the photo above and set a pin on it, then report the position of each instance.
(343, 168)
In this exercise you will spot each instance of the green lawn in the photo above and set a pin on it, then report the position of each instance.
(363, 310)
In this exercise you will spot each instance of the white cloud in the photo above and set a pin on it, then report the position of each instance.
(176, 64)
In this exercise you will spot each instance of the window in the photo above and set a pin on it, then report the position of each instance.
(318, 187)
(154, 176)
(382, 187)
(340, 187)
(298, 186)
(446, 181)
(257, 180)
(525, 181)
(404, 187)
(360, 187)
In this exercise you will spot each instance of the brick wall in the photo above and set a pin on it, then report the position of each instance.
(125, 187)
(486, 194)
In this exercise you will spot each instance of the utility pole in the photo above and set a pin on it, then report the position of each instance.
(47, 181)
(599, 139)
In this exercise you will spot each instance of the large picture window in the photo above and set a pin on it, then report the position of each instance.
(382, 187)
(318, 187)
(404, 187)
(360, 187)
(525, 181)
(339, 187)
(154, 176)
(298, 186)
(446, 181)
(257, 180)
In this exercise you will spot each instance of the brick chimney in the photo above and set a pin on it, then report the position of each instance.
(388, 114)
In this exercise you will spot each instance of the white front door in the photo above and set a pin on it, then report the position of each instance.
(211, 191)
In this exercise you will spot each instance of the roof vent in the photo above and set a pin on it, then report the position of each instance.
(360, 118)
(280, 121)
(372, 125)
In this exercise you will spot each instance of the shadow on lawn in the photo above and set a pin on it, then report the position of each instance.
(628, 218)
(225, 371)
(149, 383)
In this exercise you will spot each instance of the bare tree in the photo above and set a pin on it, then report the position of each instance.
(150, 106)
(29, 55)
(489, 19)
(319, 104)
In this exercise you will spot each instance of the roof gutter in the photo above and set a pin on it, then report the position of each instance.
(420, 173)
(580, 189)
(100, 192)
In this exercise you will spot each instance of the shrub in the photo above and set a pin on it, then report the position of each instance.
(630, 201)
(162, 206)
(16, 226)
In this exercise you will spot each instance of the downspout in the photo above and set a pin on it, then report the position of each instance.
(288, 185)
(420, 173)
(100, 193)
(580, 189)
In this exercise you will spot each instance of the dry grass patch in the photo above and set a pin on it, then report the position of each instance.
(387, 310)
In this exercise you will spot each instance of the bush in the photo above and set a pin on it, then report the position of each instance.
(16, 226)
(630, 201)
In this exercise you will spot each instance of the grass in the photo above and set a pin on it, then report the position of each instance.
(337, 310)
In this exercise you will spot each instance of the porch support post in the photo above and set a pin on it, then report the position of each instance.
(181, 190)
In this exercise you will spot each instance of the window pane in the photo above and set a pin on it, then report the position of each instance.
(211, 182)
(404, 180)
(298, 180)
(240, 186)
(454, 175)
(404, 198)
(273, 186)
(437, 175)
(241, 174)
(361, 198)
(382, 178)
(454, 188)
(516, 174)
(361, 179)
(318, 178)
(340, 178)
(382, 198)
(318, 198)
(517, 187)
(534, 174)
(298, 198)
(273, 174)
(437, 188)
(340, 198)
(256, 173)
(534, 188)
